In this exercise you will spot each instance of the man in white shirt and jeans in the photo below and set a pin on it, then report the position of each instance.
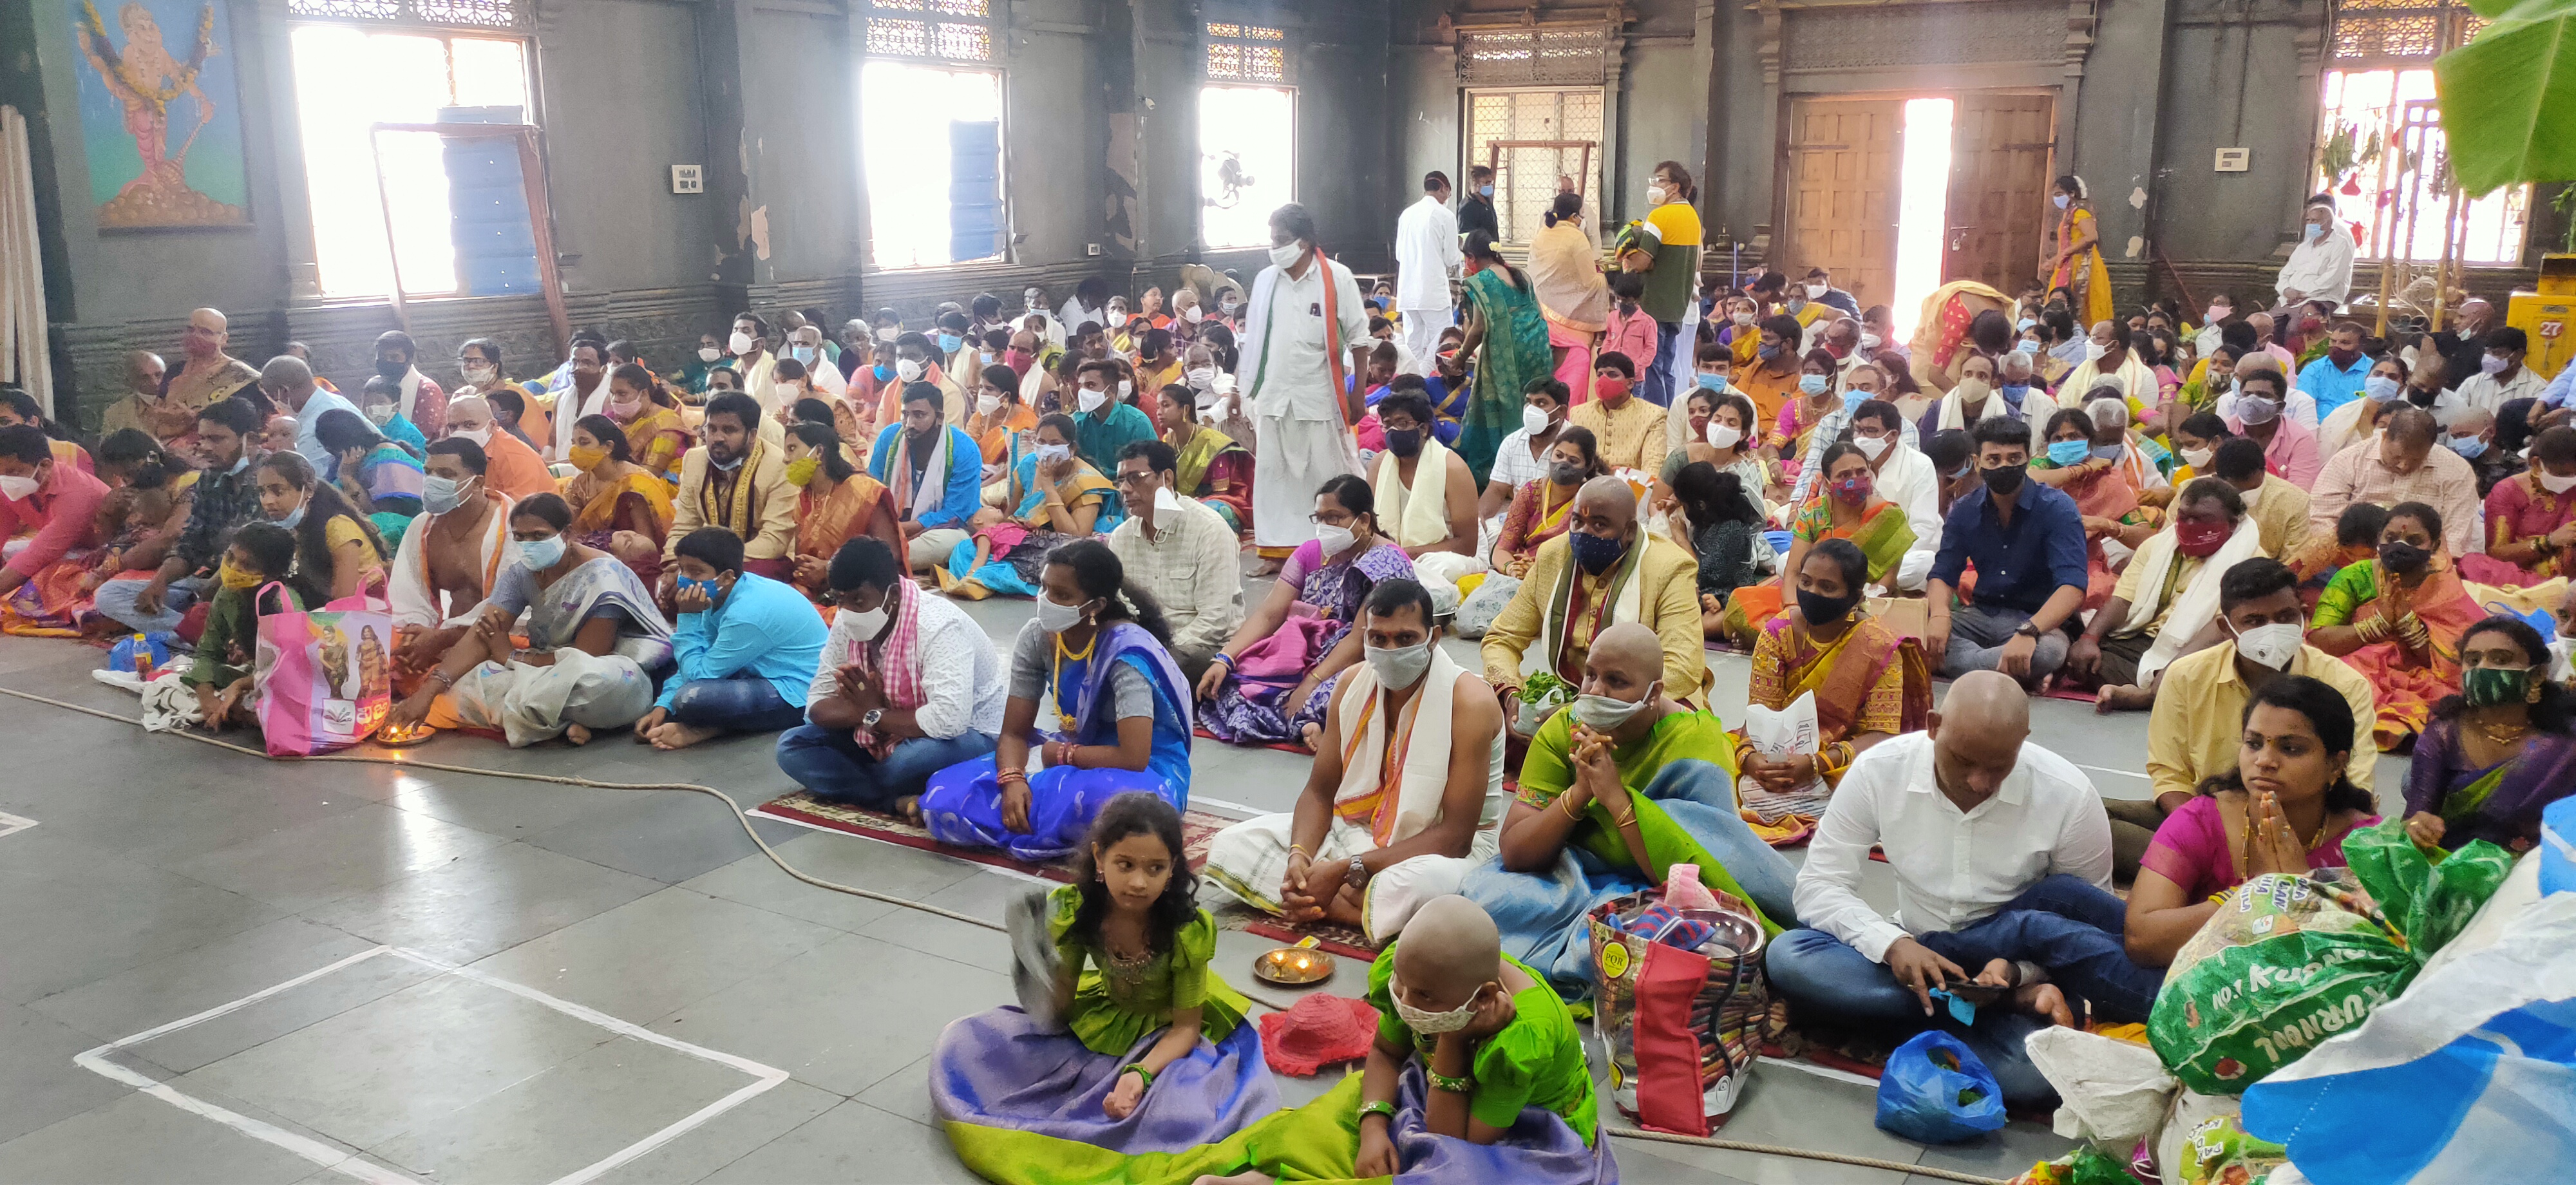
(894, 700)
(1426, 255)
(2002, 856)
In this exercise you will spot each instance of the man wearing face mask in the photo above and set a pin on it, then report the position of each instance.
(907, 685)
(2401, 464)
(738, 481)
(2108, 358)
(2320, 265)
(2001, 852)
(2167, 597)
(1522, 458)
(1666, 248)
(748, 346)
(1301, 322)
(1089, 304)
(1639, 782)
(746, 650)
(2336, 378)
(2199, 714)
(917, 360)
(1477, 211)
(1106, 418)
(2026, 540)
(2279, 509)
(288, 382)
(1604, 571)
(2259, 412)
(2501, 375)
(1181, 551)
(587, 395)
(1819, 287)
(513, 468)
(449, 558)
(226, 496)
(423, 401)
(1426, 259)
(56, 505)
(1903, 475)
(1630, 430)
(2472, 435)
(1353, 852)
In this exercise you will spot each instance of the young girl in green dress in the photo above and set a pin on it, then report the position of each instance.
(1152, 1054)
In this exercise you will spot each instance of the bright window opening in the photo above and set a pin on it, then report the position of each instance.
(2410, 213)
(1247, 161)
(348, 78)
(1922, 208)
(934, 190)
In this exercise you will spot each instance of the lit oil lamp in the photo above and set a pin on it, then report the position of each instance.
(1292, 966)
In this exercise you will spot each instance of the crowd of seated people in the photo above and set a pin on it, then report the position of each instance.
(2293, 567)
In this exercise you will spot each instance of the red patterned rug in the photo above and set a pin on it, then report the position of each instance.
(1276, 746)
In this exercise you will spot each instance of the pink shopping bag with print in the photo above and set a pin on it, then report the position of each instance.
(324, 678)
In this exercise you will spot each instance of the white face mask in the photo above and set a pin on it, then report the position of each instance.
(1125, 389)
(740, 342)
(1871, 341)
(1200, 379)
(1602, 713)
(1818, 291)
(2554, 483)
(2272, 645)
(908, 370)
(1055, 618)
(1190, 313)
(1400, 667)
(709, 353)
(872, 622)
(1870, 446)
(2094, 350)
(480, 436)
(987, 403)
(1165, 501)
(17, 488)
(1723, 435)
(2198, 458)
(1335, 540)
(1743, 320)
(888, 334)
(1091, 400)
(479, 375)
(1433, 1024)
(1657, 195)
(1287, 256)
(1534, 421)
(1054, 454)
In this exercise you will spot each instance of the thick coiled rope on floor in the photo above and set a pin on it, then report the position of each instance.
(908, 903)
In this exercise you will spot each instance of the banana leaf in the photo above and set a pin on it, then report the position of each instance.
(2509, 96)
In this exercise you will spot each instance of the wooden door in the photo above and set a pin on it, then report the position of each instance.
(1998, 203)
(1842, 193)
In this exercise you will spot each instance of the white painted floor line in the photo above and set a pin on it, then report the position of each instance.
(2126, 773)
(1806, 1067)
(352, 1165)
(13, 824)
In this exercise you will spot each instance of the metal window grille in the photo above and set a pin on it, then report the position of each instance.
(1534, 57)
(947, 30)
(517, 16)
(1525, 176)
(1246, 53)
(2389, 31)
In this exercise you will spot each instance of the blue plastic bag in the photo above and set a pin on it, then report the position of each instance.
(120, 657)
(1936, 1092)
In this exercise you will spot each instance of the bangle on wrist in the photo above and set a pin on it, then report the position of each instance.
(1383, 1107)
(1440, 1081)
(1138, 1069)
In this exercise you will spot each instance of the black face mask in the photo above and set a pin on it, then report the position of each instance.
(391, 369)
(2003, 480)
(2405, 559)
(1819, 609)
(1404, 442)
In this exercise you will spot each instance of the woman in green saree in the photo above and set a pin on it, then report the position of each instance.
(1506, 333)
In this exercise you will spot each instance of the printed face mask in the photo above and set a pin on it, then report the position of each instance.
(1433, 1024)
(2485, 687)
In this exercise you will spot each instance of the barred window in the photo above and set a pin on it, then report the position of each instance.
(1534, 57)
(517, 16)
(1246, 53)
(2389, 31)
(949, 30)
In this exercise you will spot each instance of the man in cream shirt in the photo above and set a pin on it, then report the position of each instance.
(1426, 255)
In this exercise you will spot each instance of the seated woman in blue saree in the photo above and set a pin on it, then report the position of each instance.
(1056, 497)
(1617, 788)
(1121, 710)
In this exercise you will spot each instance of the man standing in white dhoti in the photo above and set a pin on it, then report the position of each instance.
(1299, 324)
(1406, 792)
(1426, 256)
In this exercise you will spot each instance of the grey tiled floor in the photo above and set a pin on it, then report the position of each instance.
(166, 878)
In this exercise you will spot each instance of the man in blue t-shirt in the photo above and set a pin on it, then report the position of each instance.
(2026, 540)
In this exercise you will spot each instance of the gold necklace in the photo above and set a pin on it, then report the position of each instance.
(2506, 735)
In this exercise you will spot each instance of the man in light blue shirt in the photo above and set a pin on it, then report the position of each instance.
(287, 381)
(745, 651)
(2336, 378)
(2554, 397)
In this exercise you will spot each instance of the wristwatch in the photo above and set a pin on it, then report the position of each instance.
(2027, 630)
(870, 720)
(1358, 876)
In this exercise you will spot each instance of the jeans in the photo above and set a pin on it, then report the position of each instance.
(116, 601)
(1656, 374)
(1978, 635)
(2061, 923)
(743, 703)
(827, 762)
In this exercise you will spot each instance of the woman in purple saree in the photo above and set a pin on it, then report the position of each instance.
(1272, 679)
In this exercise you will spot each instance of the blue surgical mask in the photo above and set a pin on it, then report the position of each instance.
(439, 495)
(1484, 191)
(2060, 199)
(2316, 230)
(239, 463)
(295, 517)
(1769, 351)
(1712, 382)
(948, 343)
(2028, 346)
(2013, 392)
(2108, 452)
(1812, 384)
(2025, 325)
(884, 372)
(2469, 447)
(2382, 389)
(541, 554)
(1852, 401)
(804, 354)
(2065, 453)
